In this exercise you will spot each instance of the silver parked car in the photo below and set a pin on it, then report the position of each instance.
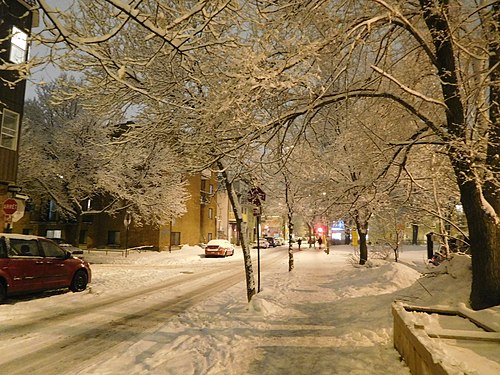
(263, 244)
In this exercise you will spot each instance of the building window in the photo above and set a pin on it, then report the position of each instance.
(51, 216)
(87, 205)
(54, 233)
(10, 128)
(211, 189)
(113, 237)
(19, 46)
(210, 213)
(210, 236)
(175, 238)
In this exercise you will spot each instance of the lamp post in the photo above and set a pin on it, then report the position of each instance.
(170, 237)
(327, 244)
(126, 221)
(257, 196)
(258, 250)
(257, 213)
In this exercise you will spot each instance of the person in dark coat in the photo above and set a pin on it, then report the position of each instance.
(320, 241)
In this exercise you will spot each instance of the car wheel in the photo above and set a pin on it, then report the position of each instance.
(79, 282)
(3, 292)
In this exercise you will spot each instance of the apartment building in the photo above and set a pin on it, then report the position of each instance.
(17, 18)
(198, 225)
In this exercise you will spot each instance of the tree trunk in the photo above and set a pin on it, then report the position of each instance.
(493, 148)
(484, 234)
(240, 225)
(72, 234)
(484, 226)
(290, 248)
(310, 228)
(363, 248)
(481, 210)
(362, 228)
(78, 229)
(290, 224)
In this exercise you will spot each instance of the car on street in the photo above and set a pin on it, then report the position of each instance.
(31, 264)
(272, 241)
(219, 248)
(263, 244)
(67, 246)
(279, 241)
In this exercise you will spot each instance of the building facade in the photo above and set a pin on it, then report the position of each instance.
(16, 20)
(198, 225)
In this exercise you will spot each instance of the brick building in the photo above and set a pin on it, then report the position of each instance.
(16, 20)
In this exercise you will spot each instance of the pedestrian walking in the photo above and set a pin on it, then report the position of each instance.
(299, 242)
(320, 241)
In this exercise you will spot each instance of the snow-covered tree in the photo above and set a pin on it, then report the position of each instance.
(234, 73)
(448, 100)
(365, 50)
(74, 158)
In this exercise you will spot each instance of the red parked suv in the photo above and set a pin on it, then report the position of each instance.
(32, 263)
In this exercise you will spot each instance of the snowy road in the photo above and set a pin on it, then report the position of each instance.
(167, 314)
(61, 337)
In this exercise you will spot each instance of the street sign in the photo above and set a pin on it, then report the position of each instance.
(14, 189)
(21, 208)
(256, 196)
(9, 206)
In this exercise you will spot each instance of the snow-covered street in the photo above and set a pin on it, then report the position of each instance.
(325, 317)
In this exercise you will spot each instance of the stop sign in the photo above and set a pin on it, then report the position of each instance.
(9, 206)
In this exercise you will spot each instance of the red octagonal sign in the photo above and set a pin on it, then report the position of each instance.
(9, 206)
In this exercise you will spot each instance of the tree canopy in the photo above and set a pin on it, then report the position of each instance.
(368, 84)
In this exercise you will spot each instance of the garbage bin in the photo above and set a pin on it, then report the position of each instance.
(453, 244)
(430, 245)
